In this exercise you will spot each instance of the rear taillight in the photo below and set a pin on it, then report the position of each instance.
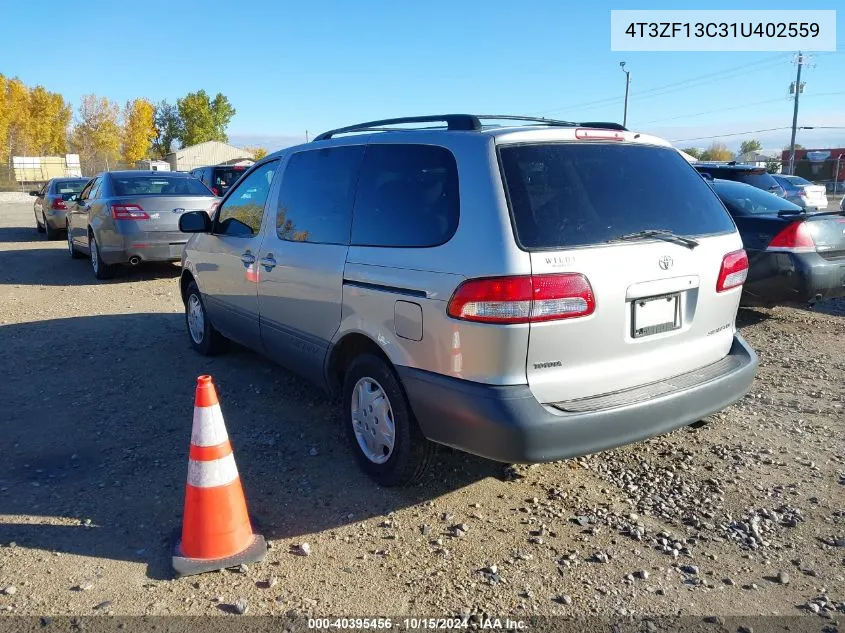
(58, 204)
(733, 272)
(214, 191)
(523, 299)
(794, 237)
(128, 212)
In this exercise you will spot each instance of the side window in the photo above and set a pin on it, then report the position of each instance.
(240, 214)
(316, 195)
(97, 188)
(86, 193)
(407, 197)
(44, 189)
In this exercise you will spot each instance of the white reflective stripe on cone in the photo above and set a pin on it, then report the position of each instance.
(208, 428)
(217, 472)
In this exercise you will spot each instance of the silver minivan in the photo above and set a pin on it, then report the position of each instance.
(526, 290)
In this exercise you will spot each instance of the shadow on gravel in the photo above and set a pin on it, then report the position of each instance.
(52, 266)
(21, 234)
(95, 434)
(831, 307)
(749, 316)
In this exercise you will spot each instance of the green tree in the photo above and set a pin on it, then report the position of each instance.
(203, 119)
(167, 126)
(717, 152)
(692, 151)
(138, 130)
(773, 166)
(752, 145)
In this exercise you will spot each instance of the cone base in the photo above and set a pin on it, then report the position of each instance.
(183, 566)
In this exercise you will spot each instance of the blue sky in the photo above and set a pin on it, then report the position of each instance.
(289, 66)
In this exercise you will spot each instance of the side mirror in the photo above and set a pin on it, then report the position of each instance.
(195, 222)
(33, 193)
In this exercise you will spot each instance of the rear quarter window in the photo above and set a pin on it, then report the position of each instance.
(408, 196)
(565, 195)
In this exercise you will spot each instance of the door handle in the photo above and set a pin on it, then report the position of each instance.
(248, 258)
(268, 262)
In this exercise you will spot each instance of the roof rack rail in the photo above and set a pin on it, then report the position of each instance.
(460, 122)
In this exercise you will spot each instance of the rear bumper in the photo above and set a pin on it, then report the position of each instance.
(793, 278)
(56, 218)
(147, 247)
(507, 424)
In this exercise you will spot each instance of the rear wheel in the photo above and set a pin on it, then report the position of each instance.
(52, 234)
(102, 270)
(204, 337)
(75, 254)
(381, 427)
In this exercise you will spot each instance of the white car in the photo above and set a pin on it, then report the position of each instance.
(802, 192)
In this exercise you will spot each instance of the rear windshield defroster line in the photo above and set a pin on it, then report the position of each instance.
(578, 194)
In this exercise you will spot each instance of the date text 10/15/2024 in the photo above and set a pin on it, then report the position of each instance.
(414, 624)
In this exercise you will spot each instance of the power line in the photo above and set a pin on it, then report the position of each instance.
(738, 107)
(727, 73)
(704, 138)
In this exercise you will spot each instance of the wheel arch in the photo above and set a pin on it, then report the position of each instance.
(344, 351)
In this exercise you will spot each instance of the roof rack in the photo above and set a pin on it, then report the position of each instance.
(459, 122)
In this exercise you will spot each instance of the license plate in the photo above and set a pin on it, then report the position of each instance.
(655, 315)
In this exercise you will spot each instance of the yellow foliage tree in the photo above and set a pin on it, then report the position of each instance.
(97, 134)
(257, 152)
(18, 137)
(139, 130)
(4, 121)
(718, 152)
(49, 117)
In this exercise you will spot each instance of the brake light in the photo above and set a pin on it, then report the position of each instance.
(214, 191)
(589, 134)
(795, 237)
(58, 204)
(523, 299)
(733, 272)
(128, 212)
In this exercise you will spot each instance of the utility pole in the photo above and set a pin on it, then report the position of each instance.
(627, 86)
(306, 136)
(796, 88)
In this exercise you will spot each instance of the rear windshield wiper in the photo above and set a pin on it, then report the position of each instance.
(659, 234)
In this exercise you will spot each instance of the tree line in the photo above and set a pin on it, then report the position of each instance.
(37, 122)
(719, 152)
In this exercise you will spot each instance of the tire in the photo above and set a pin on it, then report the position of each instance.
(101, 269)
(52, 234)
(74, 254)
(210, 342)
(411, 452)
(38, 226)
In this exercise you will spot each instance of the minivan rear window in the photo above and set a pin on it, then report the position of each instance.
(576, 194)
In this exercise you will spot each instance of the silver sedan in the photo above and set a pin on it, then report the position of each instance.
(130, 217)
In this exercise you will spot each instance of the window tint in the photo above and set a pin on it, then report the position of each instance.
(742, 199)
(157, 186)
(225, 177)
(68, 187)
(241, 213)
(573, 194)
(407, 197)
(315, 200)
(91, 191)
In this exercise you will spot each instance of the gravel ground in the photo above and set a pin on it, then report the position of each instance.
(743, 515)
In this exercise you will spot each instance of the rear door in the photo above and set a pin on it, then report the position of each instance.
(656, 312)
(228, 264)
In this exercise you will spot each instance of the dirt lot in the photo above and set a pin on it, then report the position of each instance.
(743, 515)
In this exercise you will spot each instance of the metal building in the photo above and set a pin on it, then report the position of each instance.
(202, 154)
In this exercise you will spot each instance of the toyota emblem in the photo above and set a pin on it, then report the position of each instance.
(665, 262)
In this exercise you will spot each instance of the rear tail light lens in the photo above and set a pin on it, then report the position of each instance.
(58, 204)
(734, 271)
(523, 299)
(128, 212)
(215, 191)
(794, 237)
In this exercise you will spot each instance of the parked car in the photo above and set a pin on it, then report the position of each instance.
(795, 256)
(802, 192)
(749, 174)
(520, 292)
(130, 217)
(219, 178)
(50, 204)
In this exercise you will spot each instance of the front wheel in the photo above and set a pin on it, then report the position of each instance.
(38, 226)
(204, 337)
(382, 430)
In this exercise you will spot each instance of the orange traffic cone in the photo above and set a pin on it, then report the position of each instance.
(216, 530)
